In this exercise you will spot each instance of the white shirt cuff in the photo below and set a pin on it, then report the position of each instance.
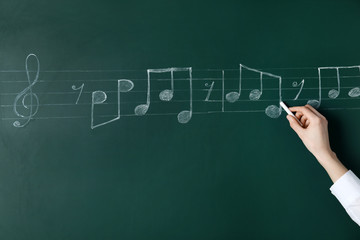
(347, 189)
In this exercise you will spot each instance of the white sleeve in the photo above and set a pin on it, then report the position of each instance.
(347, 190)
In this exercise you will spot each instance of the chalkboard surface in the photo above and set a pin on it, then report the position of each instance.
(161, 119)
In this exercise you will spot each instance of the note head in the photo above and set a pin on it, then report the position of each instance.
(184, 116)
(99, 97)
(166, 95)
(273, 111)
(255, 94)
(333, 93)
(141, 110)
(125, 85)
(314, 103)
(232, 97)
(355, 92)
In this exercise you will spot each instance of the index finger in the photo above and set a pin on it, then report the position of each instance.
(314, 110)
(304, 110)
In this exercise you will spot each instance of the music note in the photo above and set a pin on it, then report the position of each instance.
(142, 109)
(28, 93)
(354, 92)
(333, 93)
(315, 103)
(234, 96)
(272, 111)
(167, 94)
(254, 94)
(81, 89)
(99, 97)
(296, 84)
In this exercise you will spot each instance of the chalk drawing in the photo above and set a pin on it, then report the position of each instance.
(272, 111)
(296, 84)
(234, 96)
(28, 101)
(185, 115)
(254, 94)
(210, 86)
(99, 97)
(223, 91)
(28, 93)
(354, 92)
(167, 94)
(79, 88)
(333, 93)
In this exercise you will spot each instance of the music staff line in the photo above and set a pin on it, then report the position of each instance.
(178, 90)
(164, 114)
(99, 97)
(175, 101)
(177, 79)
(142, 70)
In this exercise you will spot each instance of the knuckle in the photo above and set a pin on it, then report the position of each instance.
(323, 120)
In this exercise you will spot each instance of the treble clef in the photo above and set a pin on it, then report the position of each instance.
(28, 93)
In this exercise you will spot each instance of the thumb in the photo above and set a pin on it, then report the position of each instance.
(294, 124)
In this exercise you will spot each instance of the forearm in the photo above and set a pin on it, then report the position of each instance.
(332, 165)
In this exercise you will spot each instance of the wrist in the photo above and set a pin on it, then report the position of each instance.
(332, 165)
(326, 157)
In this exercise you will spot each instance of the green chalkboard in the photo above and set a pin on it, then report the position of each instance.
(160, 119)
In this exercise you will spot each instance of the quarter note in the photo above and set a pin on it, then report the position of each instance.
(28, 93)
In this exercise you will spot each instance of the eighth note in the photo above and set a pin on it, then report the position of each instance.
(27, 93)
(167, 94)
(333, 93)
(99, 97)
(354, 92)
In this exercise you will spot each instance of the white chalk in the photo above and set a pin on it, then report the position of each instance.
(287, 110)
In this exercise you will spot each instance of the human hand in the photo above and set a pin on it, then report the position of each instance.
(314, 132)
